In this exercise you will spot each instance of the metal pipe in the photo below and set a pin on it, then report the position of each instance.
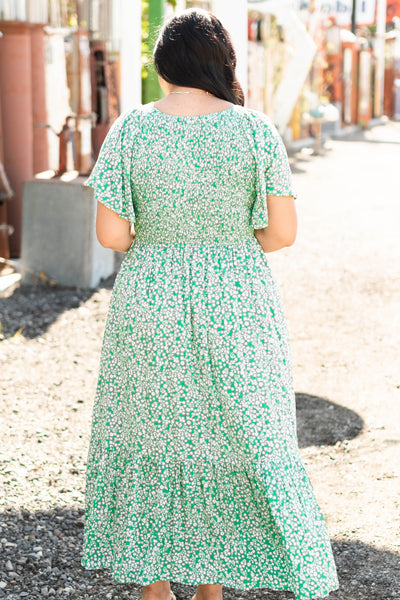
(354, 16)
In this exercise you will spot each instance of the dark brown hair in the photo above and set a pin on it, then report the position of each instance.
(193, 49)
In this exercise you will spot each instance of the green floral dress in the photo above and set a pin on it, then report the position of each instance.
(193, 470)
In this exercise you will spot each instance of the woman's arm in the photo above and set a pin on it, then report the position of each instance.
(112, 231)
(282, 224)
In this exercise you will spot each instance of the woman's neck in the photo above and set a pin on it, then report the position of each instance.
(189, 101)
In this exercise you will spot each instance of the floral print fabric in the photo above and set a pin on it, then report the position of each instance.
(193, 470)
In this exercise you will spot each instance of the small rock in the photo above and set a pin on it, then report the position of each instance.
(33, 556)
(23, 594)
(3, 584)
(9, 566)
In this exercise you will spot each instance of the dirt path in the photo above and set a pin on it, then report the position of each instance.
(340, 288)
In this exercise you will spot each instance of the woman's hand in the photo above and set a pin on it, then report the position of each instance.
(112, 231)
(282, 224)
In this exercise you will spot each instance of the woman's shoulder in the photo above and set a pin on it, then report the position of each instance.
(129, 116)
(256, 116)
(259, 122)
(127, 125)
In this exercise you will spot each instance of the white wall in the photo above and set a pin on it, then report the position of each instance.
(130, 16)
(233, 16)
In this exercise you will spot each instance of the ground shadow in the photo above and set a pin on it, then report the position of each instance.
(321, 422)
(31, 309)
(44, 550)
(299, 159)
(299, 162)
(360, 136)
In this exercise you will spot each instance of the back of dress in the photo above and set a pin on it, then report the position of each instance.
(209, 172)
(193, 465)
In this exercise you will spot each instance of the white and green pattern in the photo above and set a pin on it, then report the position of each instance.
(193, 471)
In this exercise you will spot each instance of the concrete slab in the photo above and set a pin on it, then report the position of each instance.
(58, 234)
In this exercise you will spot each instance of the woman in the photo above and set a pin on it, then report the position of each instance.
(193, 470)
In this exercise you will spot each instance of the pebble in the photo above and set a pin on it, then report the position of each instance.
(3, 584)
(33, 556)
(9, 566)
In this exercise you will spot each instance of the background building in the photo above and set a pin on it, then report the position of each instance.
(68, 68)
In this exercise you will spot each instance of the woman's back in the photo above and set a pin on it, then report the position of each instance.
(210, 173)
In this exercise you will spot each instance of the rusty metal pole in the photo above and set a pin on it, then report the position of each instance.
(5, 194)
(17, 110)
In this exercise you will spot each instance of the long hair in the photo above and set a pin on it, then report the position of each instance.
(193, 49)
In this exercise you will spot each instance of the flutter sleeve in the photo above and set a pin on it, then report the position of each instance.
(111, 175)
(274, 176)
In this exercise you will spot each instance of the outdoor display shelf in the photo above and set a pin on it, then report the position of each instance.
(59, 235)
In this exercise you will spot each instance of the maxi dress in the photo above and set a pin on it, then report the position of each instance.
(193, 470)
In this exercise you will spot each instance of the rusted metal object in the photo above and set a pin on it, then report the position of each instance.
(70, 145)
(6, 193)
(65, 137)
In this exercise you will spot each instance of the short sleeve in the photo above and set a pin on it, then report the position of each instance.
(111, 174)
(274, 176)
(278, 174)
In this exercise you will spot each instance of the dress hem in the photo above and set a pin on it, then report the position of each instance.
(224, 582)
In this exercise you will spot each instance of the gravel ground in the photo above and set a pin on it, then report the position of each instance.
(340, 288)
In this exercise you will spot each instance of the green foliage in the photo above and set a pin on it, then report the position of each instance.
(146, 51)
(147, 46)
